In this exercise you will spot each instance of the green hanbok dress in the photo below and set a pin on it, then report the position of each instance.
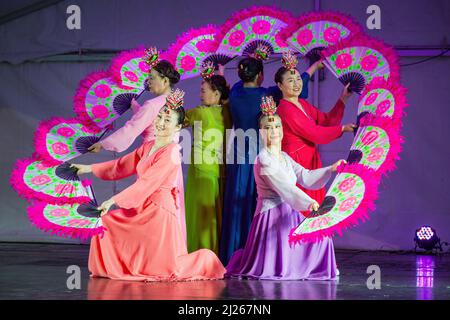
(205, 179)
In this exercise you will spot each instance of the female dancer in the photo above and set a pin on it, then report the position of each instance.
(162, 78)
(267, 254)
(204, 193)
(143, 239)
(304, 125)
(240, 189)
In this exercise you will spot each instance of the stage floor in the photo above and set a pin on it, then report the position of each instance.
(38, 271)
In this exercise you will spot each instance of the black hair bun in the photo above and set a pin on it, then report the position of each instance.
(166, 69)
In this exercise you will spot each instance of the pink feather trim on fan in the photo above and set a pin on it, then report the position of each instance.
(364, 41)
(35, 214)
(333, 16)
(392, 128)
(123, 57)
(397, 90)
(119, 60)
(182, 40)
(40, 141)
(371, 181)
(237, 17)
(17, 183)
(79, 106)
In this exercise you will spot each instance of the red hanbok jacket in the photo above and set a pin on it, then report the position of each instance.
(303, 131)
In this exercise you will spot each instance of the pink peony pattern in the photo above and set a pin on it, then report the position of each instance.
(343, 61)
(368, 63)
(100, 111)
(332, 35)
(261, 27)
(42, 166)
(40, 180)
(66, 188)
(187, 63)
(65, 132)
(204, 45)
(102, 91)
(370, 137)
(60, 212)
(304, 37)
(60, 148)
(131, 76)
(347, 204)
(347, 184)
(375, 154)
(143, 66)
(371, 99)
(319, 222)
(236, 38)
(382, 107)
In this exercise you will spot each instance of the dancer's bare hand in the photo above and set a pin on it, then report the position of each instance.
(95, 148)
(319, 65)
(105, 206)
(82, 168)
(314, 206)
(349, 127)
(337, 164)
(346, 93)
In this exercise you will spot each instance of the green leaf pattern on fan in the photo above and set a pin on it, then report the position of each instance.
(61, 140)
(100, 98)
(190, 53)
(134, 73)
(67, 216)
(368, 62)
(242, 33)
(41, 178)
(348, 190)
(379, 102)
(374, 144)
(313, 36)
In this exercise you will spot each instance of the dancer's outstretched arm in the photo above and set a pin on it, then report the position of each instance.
(124, 137)
(314, 179)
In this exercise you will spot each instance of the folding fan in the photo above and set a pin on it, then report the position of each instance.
(193, 48)
(248, 28)
(77, 221)
(315, 31)
(360, 60)
(130, 70)
(377, 144)
(347, 201)
(99, 100)
(58, 184)
(58, 140)
(383, 98)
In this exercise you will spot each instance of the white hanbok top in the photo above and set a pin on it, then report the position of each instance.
(276, 181)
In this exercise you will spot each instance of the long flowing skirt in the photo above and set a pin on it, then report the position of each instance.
(239, 207)
(148, 245)
(268, 255)
(203, 210)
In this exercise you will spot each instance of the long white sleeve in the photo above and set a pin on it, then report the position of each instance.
(311, 179)
(278, 181)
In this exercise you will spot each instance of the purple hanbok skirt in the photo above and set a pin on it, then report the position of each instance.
(267, 254)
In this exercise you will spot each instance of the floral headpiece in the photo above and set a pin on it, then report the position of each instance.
(289, 60)
(262, 52)
(208, 70)
(151, 57)
(175, 99)
(268, 106)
